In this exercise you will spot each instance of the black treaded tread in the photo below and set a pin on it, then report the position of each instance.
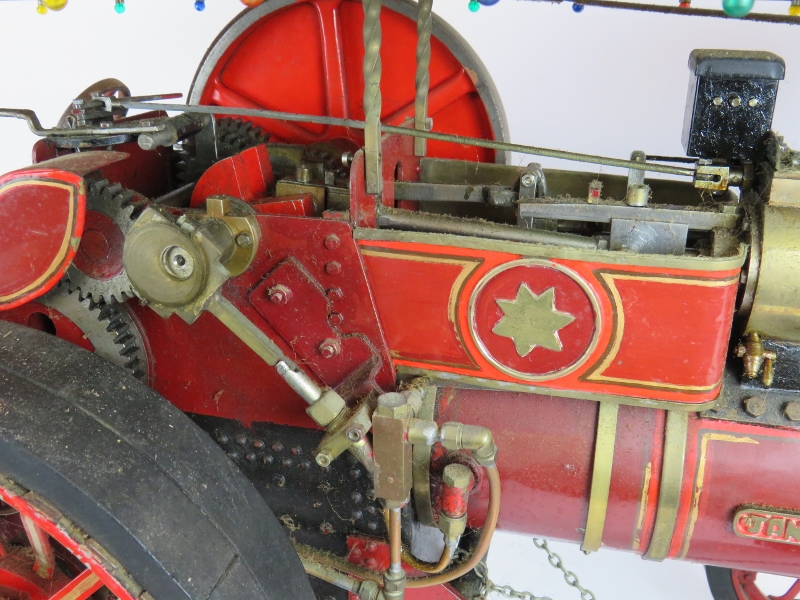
(179, 516)
(720, 582)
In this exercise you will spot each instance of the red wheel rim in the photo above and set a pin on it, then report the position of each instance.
(746, 588)
(58, 563)
(306, 57)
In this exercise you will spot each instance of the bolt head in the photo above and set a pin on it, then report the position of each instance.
(279, 294)
(755, 407)
(335, 319)
(354, 434)
(335, 294)
(330, 348)
(323, 459)
(735, 101)
(753, 102)
(457, 475)
(333, 268)
(528, 180)
(717, 101)
(244, 240)
(332, 242)
(792, 411)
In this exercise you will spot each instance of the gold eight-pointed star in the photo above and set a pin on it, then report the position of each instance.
(532, 320)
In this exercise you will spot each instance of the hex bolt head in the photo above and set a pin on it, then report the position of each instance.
(735, 101)
(244, 240)
(717, 101)
(323, 459)
(279, 294)
(335, 294)
(528, 180)
(457, 475)
(335, 319)
(332, 242)
(755, 407)
(792, 411)
(753, 102)
(354, 434)
(330, 348)
(333, 268)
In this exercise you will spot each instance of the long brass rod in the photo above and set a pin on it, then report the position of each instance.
(430, 135)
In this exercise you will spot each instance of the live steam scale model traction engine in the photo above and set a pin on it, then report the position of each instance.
(382, 325)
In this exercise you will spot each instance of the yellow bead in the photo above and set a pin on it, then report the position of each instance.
(794, 10)
(55, 4)
(41, 9)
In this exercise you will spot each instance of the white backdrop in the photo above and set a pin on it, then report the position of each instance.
(601, 82)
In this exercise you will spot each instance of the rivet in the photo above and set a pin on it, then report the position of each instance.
(296, 450)
(244, 240)
(717, 101)
(233, 455)
(371, 546)
(268, 460)
(355, 473)
(371, 563)
(279, 480)
(355, 552)
(223, 439)
(326, 528)
(305, 465)
(335, 319)
(357, 514)
(258, 444)
(356, 497)
(250, 456)
(333, 268)
(241, 440)
(371, 510)
(335, 294)
(372, 526)
(752, 103)
(286, 462)
(735, 101)
(332, 242)
(277, 447)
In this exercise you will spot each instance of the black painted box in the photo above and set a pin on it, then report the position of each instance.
(730, 103)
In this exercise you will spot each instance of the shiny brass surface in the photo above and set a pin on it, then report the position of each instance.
(457, 436)
(421, 462)
(784, 190)
(392, 460)
(671, 479)
(755, 357)
(601, 476)
(347, 430)
(776, 307)
(452, 527)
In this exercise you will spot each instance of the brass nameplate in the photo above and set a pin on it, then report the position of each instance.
(767, 525)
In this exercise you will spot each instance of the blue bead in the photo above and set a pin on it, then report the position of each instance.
(119, 7)
(577, 7)
(474, 5)
(488, 2)
(200, 5)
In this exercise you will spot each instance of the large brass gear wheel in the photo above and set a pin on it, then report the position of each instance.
(97, 271)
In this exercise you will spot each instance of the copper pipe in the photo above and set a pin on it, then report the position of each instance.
(483, 543)
(395, 540)
(421, 565)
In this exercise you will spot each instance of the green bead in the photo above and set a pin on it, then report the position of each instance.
(119, 7)
(474, 5)
(737, 8)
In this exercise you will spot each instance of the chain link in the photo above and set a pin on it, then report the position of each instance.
(489, 587)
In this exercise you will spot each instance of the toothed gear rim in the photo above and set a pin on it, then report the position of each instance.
(233, 136)
(110, 328)
(97, 270)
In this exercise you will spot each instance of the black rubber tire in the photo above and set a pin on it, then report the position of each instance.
(720, 582)
(138, 476)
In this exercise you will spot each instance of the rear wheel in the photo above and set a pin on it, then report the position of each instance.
(110, 492)
(735, 584)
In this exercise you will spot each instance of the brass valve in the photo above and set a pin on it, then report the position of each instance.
(756, 357)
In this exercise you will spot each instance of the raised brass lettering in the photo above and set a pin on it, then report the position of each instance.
(753, 523)
(775, 527)
(792, 533)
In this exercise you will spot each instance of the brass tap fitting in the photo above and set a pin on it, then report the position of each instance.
(755, 357)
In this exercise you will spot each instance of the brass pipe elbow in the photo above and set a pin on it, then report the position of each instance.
(457, 436)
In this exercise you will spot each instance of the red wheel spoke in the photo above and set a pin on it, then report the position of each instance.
(80, 588)
(439, 98)
(40, 544)
(791, 593)
(224, 96)
(333, 55)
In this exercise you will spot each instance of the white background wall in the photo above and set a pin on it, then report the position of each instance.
(601, 82)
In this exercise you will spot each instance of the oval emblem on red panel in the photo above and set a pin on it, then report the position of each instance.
(534, 319)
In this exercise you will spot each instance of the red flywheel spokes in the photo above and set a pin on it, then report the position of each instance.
(45, 557)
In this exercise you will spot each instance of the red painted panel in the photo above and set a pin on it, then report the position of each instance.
(246, 176)
(687, 352)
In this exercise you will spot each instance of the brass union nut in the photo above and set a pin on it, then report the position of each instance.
(325, 410)
(450, 527)
(394, 406)
(457, 475)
